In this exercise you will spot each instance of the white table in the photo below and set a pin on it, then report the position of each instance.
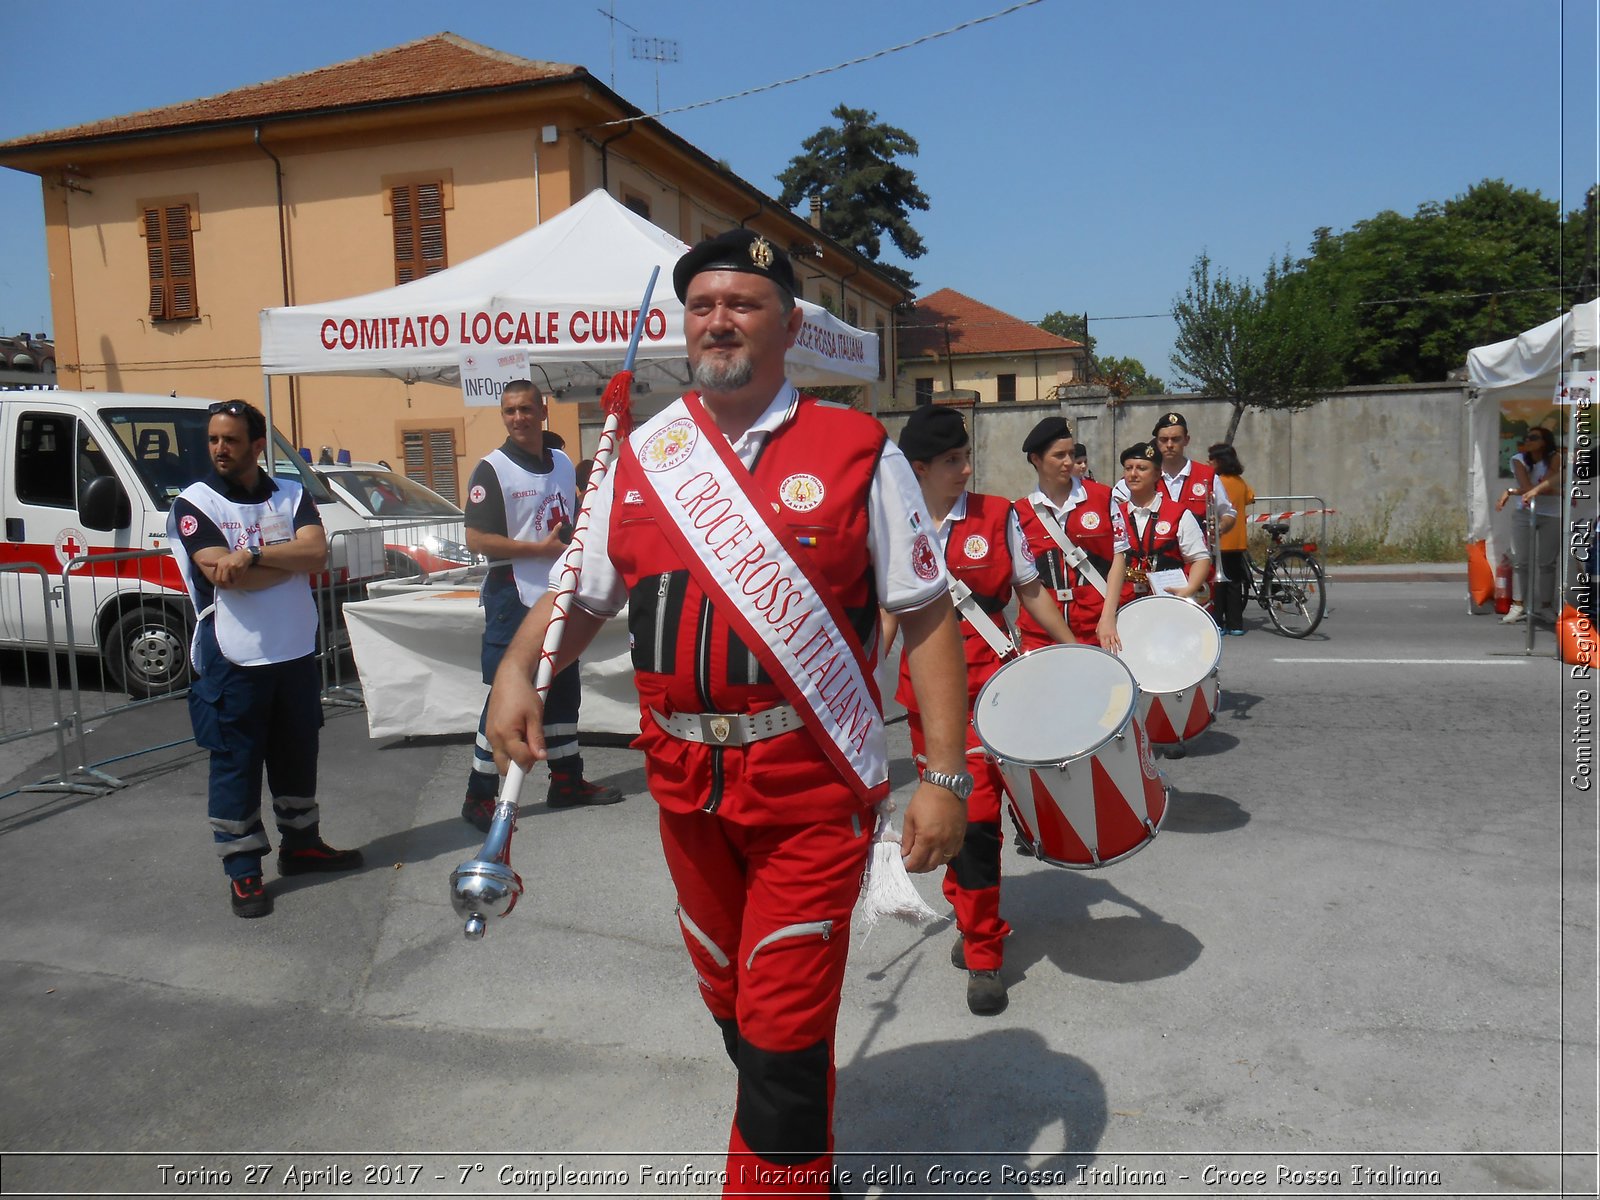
(418, 651)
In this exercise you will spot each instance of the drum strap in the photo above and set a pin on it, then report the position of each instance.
(1077, 559)
(972, 612)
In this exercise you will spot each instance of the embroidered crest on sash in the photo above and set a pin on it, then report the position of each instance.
(976, 546)
(669, 445)
(1090, 520)
(476, 495)
(922, 560)
(1163, 527)
(801, 492)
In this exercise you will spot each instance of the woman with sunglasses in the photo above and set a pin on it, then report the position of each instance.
(1536, 526)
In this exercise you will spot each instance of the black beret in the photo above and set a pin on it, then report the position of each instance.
(1141, 450)
(1046, 431)
(932, 430)
(742, 250)
(1080, 450)
(1170, 421)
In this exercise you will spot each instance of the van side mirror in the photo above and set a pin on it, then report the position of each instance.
(105, 505)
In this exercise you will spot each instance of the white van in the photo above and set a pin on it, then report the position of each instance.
(95, 473)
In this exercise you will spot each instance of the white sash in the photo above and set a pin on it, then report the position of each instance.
(700, 494)
(972, 612)
(1075, 558)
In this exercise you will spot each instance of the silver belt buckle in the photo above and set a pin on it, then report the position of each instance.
(719, 727)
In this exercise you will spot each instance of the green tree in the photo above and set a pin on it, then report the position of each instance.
(865, 192)
(1421, 291)
(1072, 326)
(1128, 377)
(1276, 346)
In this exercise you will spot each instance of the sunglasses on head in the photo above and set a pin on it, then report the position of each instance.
(231, 408)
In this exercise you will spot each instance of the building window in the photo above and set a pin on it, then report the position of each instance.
(418, 212)
(925, 389)
(1008, 388)
(883, 348)
(852, 315)
(169, 247)
(636, 202)
(431, 460)
(826, 299)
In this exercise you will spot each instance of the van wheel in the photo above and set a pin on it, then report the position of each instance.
(147, 651)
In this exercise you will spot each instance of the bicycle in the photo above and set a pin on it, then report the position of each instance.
(1290, 584)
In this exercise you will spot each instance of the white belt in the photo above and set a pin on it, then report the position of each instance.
(730, 729)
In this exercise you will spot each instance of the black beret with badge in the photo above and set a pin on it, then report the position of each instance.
(1046, 431)
(1173, 420)
(930, 431)
(741, 250)
(1142, 451)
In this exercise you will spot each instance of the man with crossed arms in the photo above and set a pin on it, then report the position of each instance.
(755, 533)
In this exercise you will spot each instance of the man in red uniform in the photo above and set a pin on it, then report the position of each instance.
(755, 533)
(1184, 480)
(986, 556)
(1067, 506)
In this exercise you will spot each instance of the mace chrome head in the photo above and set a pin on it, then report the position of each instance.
(481, 891)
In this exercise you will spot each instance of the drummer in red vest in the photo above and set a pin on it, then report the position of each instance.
(1159, 543)
(1067, 514)
(987, 558)
(1190, 483)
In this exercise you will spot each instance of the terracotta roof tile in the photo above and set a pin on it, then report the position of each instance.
(975, 328)
(432, 66)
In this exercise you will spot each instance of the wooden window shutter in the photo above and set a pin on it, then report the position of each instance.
(419, 247)
(169, 249)
(431, 460)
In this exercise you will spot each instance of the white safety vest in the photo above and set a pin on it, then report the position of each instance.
(536, 504)
(274, 624)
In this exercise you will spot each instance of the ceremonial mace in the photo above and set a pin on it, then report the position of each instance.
(487, 887)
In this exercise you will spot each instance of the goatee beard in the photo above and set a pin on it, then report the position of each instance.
(726, 376)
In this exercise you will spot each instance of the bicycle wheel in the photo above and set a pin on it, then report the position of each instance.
(1292, 583)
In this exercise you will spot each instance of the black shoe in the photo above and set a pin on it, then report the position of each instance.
(249, 897)
(580, 793)
(986, 994)
(478, 812)
(316, 856)
(958, 954)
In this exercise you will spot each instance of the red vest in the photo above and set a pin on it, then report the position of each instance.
(1088, 527)
(1158, 550)
(977, 554)
(815, 471)
(1197, 487)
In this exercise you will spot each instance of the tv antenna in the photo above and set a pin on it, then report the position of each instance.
(656, 50)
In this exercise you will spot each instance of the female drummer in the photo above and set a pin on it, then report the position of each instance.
(986, 554)
(1155, 533)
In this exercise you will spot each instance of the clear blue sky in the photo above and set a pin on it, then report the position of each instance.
(1078, 154)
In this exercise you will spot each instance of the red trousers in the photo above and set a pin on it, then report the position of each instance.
(765, 914)
(972, 878)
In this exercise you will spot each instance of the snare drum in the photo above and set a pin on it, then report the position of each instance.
(1172, 646)
(1083, 786)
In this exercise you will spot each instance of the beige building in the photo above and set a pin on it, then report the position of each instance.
(169, 230)
(952, 347)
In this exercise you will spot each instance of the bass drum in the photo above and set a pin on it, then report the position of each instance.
(1082, 785)
(1172, 646)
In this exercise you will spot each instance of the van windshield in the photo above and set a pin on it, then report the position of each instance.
(167, 449)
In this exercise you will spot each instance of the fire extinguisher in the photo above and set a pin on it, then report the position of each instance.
(1502, 585)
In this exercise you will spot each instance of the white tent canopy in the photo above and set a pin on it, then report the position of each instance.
(1528, 366)
(567, 292)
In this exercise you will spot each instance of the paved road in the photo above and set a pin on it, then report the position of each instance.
(1363, 944)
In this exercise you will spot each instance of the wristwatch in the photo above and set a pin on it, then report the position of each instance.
(255, 555)
(960, 783)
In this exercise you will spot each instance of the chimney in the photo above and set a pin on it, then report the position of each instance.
(816, 211)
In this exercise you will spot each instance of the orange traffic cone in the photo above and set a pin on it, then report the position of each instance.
(1576, 639)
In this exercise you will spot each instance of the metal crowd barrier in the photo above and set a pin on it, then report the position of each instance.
(125, 625)
(20, 715)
